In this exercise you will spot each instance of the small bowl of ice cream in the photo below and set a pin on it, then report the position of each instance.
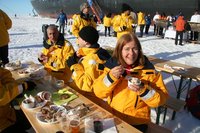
(134, 81)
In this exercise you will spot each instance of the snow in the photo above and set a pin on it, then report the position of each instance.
(26, 43)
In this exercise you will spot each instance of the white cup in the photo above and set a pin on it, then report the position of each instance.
(134, 81)
(28, 103)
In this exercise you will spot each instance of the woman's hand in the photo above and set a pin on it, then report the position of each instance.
(136, 88)
(117, 71)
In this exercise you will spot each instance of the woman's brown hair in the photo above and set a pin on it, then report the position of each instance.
(123, 40)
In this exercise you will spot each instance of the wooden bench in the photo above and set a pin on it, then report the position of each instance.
(154, 128)
(171, 103)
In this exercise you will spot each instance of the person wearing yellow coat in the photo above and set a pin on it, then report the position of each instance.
(123, 23)
(6, 24)
(12, 120)
(107, 23)
(141, 22)
(83, 19)
(133, 100)
(55, 53)
(87, 63)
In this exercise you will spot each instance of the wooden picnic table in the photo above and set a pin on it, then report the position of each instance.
(190, 73)
(39, 127)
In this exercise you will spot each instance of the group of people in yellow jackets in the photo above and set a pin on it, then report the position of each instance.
(124, 23)
(92, 69)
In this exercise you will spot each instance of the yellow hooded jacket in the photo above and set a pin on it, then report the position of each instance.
(79, 23)
(56, 64)
(5, 25)
(137, 105)
(107, 21)
(89, 67)
(9, 89)
(141, 18)
(120, 21)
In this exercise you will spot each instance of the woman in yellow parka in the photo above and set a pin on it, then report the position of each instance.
(5, 25)
(133, 100)
(55, 53)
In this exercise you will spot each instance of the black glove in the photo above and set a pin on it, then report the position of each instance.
(124, 28)
(71, 61)
(28, 85)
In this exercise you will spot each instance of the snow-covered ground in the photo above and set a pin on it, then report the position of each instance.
(26, 42)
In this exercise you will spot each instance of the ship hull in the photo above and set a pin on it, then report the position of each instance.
(50, 8)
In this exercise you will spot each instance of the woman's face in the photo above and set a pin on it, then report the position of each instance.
(130, 52)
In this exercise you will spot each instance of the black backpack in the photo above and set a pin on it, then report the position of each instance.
(193, 102)
(187, 26)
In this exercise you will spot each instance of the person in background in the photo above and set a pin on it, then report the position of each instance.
(148, 23)
(195, 18)
(107, 23)
(62, 18)
(155, 18)
(123, 23)
(83, 19)
(164, 18)
(180, 27)
(87, 63)
(112, 22)
(141, 22)
(5, 25)
(135, 21)
(135, 100)
(170, 19)
(54, 54)
(12, 120)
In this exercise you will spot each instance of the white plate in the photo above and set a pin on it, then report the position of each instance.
(41, 117)
(13, 66)
(37, 106)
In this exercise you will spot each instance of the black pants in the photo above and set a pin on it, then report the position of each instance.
(179, 33)
(194, 35)
(154, 29)
(21, 125)
(147, 29)
(107, 28)
(141, 30)
(4, 54)
(62, 28)
(143, 127)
